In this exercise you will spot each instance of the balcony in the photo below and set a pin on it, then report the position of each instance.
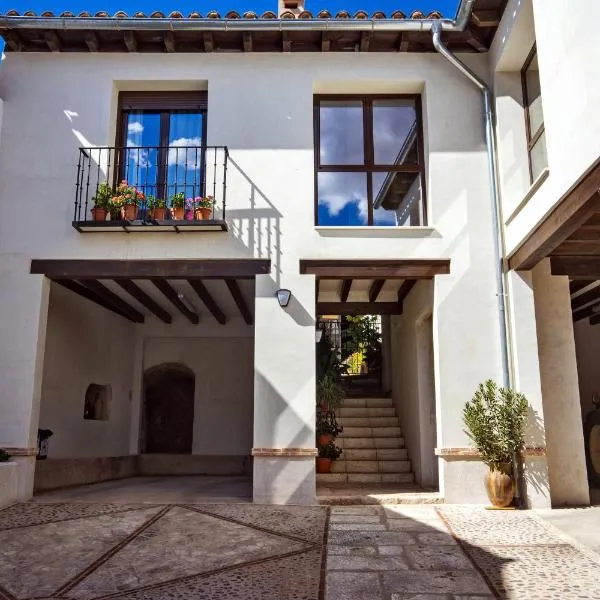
(151, 189)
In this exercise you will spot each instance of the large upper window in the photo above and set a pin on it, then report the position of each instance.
(534, 116)
(369, 161)
(163, 139)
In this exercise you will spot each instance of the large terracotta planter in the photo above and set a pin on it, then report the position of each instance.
(99, 213)
(500, 488)
(324, 439)
(323, 465)
(159, 214)
(130, 212)
(203, 214)
(178, 213)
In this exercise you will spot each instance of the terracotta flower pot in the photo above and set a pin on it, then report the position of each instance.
(500, 488)
(178, 213)
(203, 214)
(323, 465)
(324, 439)
(159, 214)
(130, 212)
(99, 213)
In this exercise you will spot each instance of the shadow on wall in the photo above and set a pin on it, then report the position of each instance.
(257, 227)
(537, 470)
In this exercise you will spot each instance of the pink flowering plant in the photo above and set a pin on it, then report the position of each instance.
(126, 194)
(204, 201)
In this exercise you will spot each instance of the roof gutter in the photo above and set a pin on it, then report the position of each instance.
(160, 24)
(498, 233)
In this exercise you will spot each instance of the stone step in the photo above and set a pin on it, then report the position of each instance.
(346, 441)
(353, 478)
(370, 466)
(369, 421)
(371, 432)
(375, 454)
(387, 411)
(367, 402)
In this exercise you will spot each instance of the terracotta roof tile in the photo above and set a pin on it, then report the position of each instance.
(322, 14)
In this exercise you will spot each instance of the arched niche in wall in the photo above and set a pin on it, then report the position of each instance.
(168, 418)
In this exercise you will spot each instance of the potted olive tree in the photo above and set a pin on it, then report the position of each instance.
(495, 421)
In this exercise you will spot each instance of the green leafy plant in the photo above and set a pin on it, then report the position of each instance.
(204, 202)
(495, 421)
(330, 451)
(330, 392)
(153, 202)
(177, 200)
(103, 196)
(4, 456)
(327, 424)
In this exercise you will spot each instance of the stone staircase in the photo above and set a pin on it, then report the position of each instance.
(372, 444)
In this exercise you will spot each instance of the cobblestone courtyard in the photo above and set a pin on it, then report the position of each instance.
(248, 552)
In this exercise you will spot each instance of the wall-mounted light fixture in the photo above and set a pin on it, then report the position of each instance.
(283, 297)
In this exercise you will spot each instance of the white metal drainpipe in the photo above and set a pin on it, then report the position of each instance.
(499, 247)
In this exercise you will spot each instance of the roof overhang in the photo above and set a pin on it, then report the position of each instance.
(471, 31)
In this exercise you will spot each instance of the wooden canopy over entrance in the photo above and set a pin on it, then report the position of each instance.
(135, 289)
(570, 237)
(368, 287)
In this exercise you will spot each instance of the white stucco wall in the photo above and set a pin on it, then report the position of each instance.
(223, 407)
(85, 344)
(569, 76)
(269, 131)
(415, 403)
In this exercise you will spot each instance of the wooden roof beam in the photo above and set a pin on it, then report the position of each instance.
(207, 40)
(474, 39)
(136, 292)
(588, 311)
(375, 289)
(236, 293)
(208, 300)
(52, 41)
(403, 42)
(595, 320)
(575, 286)
(586, 298)
(359, 308)
(325, 42)
(366, 37)
(485, 18)
(92, 41)
(109, 296)
(576, 267)
(286, 42)
(130, 41)
(13, 40)
(169, 42)
(404, 289)
(247, 39)
(345, 290)
(375, 269)
(86, 293)
(171, 295)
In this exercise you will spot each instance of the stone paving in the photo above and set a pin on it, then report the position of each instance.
(448, 552)
(90, 551)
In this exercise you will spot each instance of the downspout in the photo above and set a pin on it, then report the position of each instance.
(498, 233)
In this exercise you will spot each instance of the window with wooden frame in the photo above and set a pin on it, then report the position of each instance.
(369, 162)
(161, 142)
(534, 116)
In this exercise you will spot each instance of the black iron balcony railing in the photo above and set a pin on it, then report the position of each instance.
(159, 188)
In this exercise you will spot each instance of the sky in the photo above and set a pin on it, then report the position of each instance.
(446, 7)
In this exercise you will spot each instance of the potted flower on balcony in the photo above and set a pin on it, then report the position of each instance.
(158, 208)
(177, 202)
(204, 207)
(101, 202)
(129, 197)
(327, 454)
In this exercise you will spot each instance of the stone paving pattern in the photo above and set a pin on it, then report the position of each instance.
(249, 552)
(87, 551)
(446, 552)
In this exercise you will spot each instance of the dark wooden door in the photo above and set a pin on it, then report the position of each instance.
(169, 411)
